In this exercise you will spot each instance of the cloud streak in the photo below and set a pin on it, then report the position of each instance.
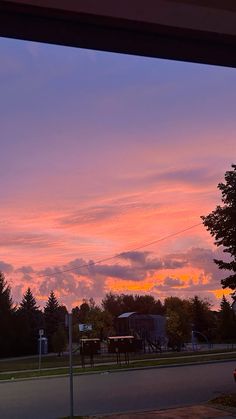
(163, 276)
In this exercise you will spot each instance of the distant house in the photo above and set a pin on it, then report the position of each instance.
(150, 327)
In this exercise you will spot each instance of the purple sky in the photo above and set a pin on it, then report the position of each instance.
(101, 153)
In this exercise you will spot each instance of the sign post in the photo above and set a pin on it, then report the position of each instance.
(41, 332)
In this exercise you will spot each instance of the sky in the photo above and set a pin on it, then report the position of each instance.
(102, 154)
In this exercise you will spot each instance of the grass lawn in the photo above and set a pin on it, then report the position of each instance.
(54, 361)
(52, 366)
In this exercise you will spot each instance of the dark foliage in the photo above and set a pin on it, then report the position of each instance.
(7, 320)
(221, 223)
(117, 304)
(200, 315)
(227, 323)
(20, 327)
(30, 320)
(54, 316)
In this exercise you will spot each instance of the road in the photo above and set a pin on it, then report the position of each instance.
(115, 392)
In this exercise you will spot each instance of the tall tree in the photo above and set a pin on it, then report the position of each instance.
(54, 317)
(59, 340)
(101, 321)
(30, 321)
(83, 311)
(221, 223)
(176, 333)
(52, 304)
(200, 316)
(6, 302)
(113, 304)
(28, 303)
(178, 324)
(147, 304)
(7, 324)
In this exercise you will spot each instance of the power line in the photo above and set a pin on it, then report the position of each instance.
(92, 263)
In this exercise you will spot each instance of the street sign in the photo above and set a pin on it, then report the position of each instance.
(85, 327)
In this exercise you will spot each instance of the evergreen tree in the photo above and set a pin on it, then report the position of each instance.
(52, 304)
(222, 226)
(53, 317)
(6, 302)
(28, 303)
(30, 321)
(7, 326)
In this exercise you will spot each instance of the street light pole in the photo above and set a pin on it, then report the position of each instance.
(71, 367)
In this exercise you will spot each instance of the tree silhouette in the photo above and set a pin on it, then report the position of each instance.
(54, 316)
(200, 315)
(147, 304)
(178, 321)
(144, 304)
(59, 340)
(30, 321)
(7, 313)
(52, 304)
(6, 302)
(221, 223)
(113, 304)
(28, 303)
(227, 322)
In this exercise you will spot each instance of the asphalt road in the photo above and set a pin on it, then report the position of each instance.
(115, 392)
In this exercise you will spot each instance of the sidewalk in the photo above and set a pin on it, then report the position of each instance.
(189, 412)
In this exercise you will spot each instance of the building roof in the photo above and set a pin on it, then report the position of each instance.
(120, 337)
(90, 340)
(128, 314)
(202, 31)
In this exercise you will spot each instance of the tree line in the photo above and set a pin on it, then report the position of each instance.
(20, 325)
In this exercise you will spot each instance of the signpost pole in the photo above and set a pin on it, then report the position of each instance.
(40, 352)
(41, 332)
(71, 367)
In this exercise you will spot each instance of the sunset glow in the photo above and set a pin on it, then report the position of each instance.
(102, 154)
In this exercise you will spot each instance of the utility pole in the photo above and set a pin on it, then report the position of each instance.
(71, 367)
